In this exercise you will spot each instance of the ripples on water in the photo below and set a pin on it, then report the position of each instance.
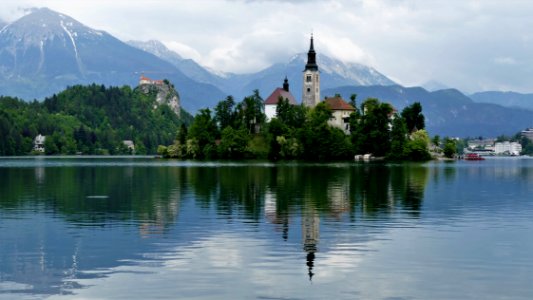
(142, 228)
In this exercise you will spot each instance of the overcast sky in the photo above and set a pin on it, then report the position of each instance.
(471, 45)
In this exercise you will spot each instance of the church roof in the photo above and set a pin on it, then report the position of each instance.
(337, 103)
(273, 99)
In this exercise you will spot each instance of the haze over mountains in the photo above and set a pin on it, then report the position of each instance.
(510, 99)
(45, 51)
(448, 112)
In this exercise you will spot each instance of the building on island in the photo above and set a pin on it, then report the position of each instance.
(271, 103)
(341, 111)
(507, 148)
(38, 143)
(311, 79)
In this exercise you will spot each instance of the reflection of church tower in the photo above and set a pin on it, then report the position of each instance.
(311, 86)
(310, 230)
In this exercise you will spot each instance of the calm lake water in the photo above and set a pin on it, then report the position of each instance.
(140, 228)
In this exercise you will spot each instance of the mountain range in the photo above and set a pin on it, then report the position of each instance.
(448, 112)
(333, 73)
(509, 99)
(45, 51)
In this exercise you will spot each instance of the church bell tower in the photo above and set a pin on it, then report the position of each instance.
(311, 79)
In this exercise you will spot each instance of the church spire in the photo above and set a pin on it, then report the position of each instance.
(311, 57)
(286, 84)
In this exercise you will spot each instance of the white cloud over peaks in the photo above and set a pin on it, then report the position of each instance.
(468, 44)
(344, 49)
(183, 50)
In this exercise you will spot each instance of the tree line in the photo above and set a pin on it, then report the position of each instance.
(91, 119)
(239, 131)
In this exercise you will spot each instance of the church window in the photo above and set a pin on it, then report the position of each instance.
(308, 78)
(308, 90)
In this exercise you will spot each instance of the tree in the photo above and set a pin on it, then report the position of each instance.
(251, 113)
(182, 134)
(50, 146)
(291, 115)
(416, 149)
(224, 113)
(413, 117)
(203, 131)
(450, 148)
(233, 143)
(436, 140)
(353, 103)
(398, 138)
(374, 127)
(162, 151)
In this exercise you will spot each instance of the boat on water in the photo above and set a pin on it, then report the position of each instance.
(473, 156)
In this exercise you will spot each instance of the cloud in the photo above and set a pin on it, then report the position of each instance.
(459, 42)
(183, 50)
(505, 61)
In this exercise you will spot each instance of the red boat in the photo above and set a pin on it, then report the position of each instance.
(473, 156)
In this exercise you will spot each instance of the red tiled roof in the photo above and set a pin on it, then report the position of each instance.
(273, 99)
(337, 103)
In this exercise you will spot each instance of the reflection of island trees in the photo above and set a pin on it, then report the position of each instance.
(96, 195)
(151, 196)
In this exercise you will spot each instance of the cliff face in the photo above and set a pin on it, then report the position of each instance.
(165, 94)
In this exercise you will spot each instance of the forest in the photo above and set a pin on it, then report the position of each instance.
(88, 120)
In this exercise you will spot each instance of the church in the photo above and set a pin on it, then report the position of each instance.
(310, 94)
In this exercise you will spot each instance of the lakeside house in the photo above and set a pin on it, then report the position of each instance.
(38, 143)
(491, 147)
(507, 148)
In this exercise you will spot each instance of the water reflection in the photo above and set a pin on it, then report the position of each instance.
(61, 226)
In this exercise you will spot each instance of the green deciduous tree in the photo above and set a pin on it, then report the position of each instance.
(398, 138)
(413, 116)
(416, 148)
(203, 131)
(450, 148)
(224, 113)
(233, 143)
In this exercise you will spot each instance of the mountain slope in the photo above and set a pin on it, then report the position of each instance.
(508, 99)
(45, 51)
(334, 73)
(448, 112)
(187, 66)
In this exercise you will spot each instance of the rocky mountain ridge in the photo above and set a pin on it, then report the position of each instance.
(45, 51)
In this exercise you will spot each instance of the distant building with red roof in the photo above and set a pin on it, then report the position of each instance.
(271, 103)
(341, 113)
(146, 80)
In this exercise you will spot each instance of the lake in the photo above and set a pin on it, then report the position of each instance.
(142, 228)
